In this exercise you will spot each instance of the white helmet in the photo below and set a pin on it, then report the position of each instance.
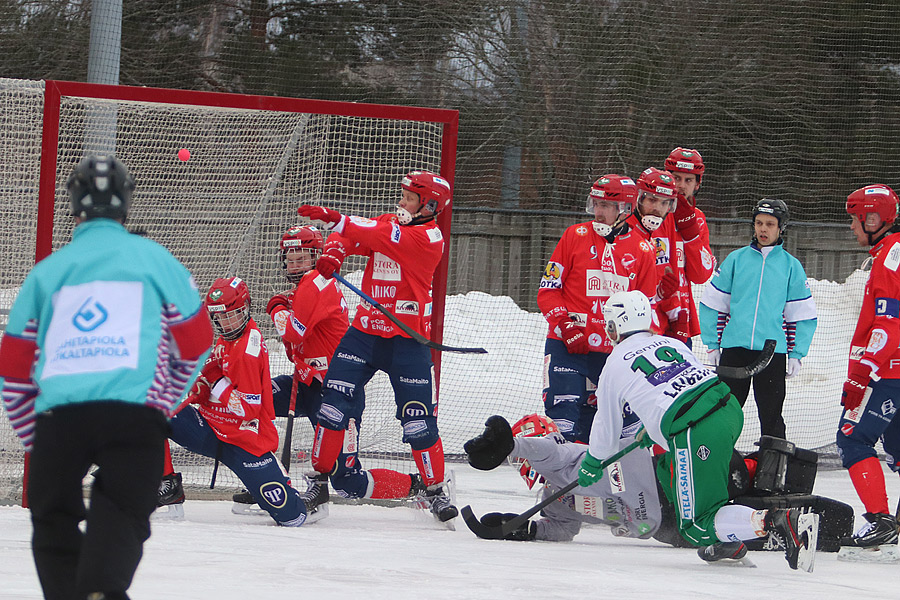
(627, 313)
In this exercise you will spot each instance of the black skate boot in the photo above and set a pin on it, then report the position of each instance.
(316, 498)
(170, 497)
(490, 449)
(441, 505)
(800, 532)
(880, 529)
(723, 550)
(417, 486)
(243, 497)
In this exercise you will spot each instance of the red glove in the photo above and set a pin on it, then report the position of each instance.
(330, 261)
(573, 336)
(320, 213)
(212, 372)
(855, 386)
(686, 219)
(277, 303)
(199, 393)
(668, 284)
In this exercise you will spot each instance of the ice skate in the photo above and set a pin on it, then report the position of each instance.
(170, 497)
(726, 553)
(439, 500)
(800, 533)
(316, 498)
(244, 504)
(876, 541)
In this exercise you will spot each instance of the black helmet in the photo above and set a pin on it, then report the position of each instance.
(776, 208)
(100, 187)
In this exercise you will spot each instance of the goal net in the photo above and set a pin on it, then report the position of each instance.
(253, 160)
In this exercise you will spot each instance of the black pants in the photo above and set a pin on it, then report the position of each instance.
(126, 442)
(768, 387)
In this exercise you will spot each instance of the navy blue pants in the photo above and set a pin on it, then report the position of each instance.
(409, 367)
(261, 475)
(348, 478)
(858, 431)
(569, 384)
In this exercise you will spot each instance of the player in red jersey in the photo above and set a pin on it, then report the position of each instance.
(311, 320)
(683, 255)
(230, 410)
(591, 262)
(873, 378)
(403, 251)
(686, 167)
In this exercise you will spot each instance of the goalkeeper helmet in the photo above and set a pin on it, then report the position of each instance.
(627, 313)
(228, 303)
(685, 160)
(100, 187)
(531, 426)
(433, 192)
(657, 185)
(298, 238)
(616, 189)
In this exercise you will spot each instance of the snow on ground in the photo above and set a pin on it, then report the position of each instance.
(398, 553)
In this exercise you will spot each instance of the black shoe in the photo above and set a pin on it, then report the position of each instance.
(880, 529)
(243, 497)
(416, 485)
(170, 490)
(439, 502)
(799, 531)
(316, 498)
(723, 550)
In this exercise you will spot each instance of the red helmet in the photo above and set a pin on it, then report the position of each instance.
(878, 199)
(613, 188)
(228, 303)
(685, 160)
(659, 184)
(532, 426)
(301, 237)
(433, 190)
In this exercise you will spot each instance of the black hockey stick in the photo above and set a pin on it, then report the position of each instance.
(411, 332)
(762, 361)
(289, 430)
(498, 532)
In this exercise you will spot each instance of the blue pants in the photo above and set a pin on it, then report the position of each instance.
(567, 395)
(348, 479)
(856, 440)
(409, 367)
(261, 475)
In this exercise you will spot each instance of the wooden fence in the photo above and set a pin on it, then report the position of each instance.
(503, 251)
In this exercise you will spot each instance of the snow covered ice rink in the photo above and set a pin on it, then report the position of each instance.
(376, 553)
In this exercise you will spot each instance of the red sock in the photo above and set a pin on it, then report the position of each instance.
(868, 479)
(431, 463)
(326, 448)
(751, 467)
(390, 484)
(168, 469)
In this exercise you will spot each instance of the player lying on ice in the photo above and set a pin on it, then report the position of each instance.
(629, 501)
(690, 414)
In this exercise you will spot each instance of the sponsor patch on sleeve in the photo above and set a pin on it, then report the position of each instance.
(552, 277)
(887, 307)
(893, 257)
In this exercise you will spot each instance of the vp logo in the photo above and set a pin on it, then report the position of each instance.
(274, 493)
(90, 316)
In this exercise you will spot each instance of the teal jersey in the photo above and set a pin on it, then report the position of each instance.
(765, 296)
(112, 316)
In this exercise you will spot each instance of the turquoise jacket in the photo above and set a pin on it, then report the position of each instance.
(112, 316)
(755, 296)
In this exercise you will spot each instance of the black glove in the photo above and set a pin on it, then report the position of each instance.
(490, 449)
(526, 532)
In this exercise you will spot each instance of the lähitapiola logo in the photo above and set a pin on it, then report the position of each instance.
(90, 316)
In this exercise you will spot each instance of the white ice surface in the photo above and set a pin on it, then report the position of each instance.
(374, 553)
